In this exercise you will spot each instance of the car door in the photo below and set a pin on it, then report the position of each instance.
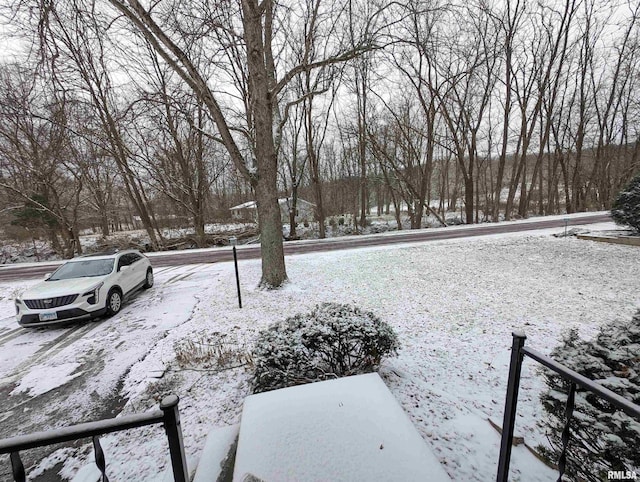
(126, 277)
(138, 269)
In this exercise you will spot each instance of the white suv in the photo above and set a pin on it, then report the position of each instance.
(84, 288)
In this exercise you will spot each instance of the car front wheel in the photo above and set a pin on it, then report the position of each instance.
(114, 302)
(148, 282)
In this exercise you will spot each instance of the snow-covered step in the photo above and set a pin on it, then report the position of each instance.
(349, 429)
(216, 458)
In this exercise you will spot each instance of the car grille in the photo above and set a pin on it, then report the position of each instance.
(47, 303)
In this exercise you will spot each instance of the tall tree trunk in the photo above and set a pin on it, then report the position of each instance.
(317, 189)
(511, 24)
(104, 222)
(567, 183)
(362, 151)
(201, 185)
(503, 152)
(198, 223)
(516, 173)
(468, 200)
(274, 273)
(315, 171)
(292, 211)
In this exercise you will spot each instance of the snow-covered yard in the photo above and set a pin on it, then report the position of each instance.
(453, 304)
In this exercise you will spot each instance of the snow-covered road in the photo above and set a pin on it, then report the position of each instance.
(19, 271)
(453, 304)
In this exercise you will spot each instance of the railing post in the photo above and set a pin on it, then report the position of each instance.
(169, 405)
(511, 402)
(100, 460)
(566, 432)
(17, 469)
(235, 263)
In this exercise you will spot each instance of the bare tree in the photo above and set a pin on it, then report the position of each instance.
(295, 161)
(556, 27)
(415, 56)
(181, 159)
(73, 47)
(610, 107)
(508, 22)
(258, 21)
(33, 141)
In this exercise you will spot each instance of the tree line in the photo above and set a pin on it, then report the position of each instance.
(176, 111)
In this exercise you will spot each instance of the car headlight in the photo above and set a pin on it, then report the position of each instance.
(93, 294)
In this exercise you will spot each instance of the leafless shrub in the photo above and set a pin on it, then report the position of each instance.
(211, 350)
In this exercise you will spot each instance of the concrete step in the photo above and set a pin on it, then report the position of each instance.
(349, 429)
(218, 454)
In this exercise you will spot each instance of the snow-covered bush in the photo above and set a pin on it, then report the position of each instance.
(332, 341)
(626, 208)
(602, 438)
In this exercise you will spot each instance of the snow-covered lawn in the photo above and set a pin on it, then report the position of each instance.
(453, 304)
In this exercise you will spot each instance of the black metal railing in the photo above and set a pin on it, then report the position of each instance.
(167, 415)
(518, 351)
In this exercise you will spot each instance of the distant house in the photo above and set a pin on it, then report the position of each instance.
(244, 212)
(248, 211)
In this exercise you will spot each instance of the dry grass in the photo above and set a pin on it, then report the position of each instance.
(213, 351)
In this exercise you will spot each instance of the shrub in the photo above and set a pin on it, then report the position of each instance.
(341, 221)
(602, 438)
(155, 391)
(626, 208)
(332, 341)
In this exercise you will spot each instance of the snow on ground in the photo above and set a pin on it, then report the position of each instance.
(41, 381)
(453, 304)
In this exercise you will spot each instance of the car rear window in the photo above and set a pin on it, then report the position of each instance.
(83, 269)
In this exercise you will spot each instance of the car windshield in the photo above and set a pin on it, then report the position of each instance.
(82, 269)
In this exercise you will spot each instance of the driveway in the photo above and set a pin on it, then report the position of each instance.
(59, 376)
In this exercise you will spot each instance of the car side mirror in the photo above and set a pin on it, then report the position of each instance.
(46, 276)
(124, 268)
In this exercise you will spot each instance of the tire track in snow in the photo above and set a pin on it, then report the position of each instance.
(164, 270)
(180, 277)
(9, 326)
(10, 335)
(9, 331)
(183, 275)
(49, 350)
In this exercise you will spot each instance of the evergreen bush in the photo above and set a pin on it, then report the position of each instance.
(626, 208)
(332, 341)
(32, 216)
(602, 437)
